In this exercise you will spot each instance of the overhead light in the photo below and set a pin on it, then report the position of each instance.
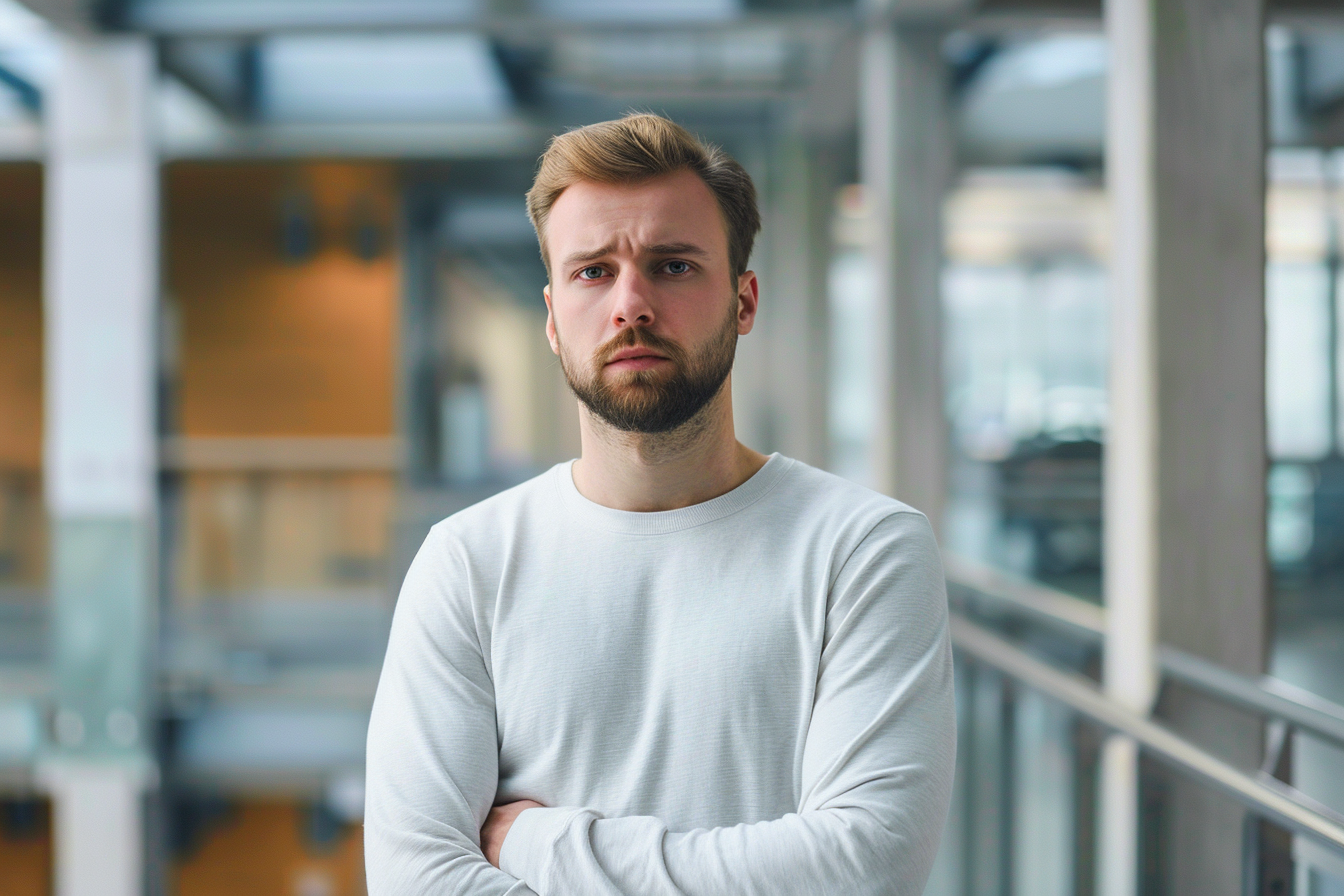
(18, 21)
(224, 17)
(1038, 99)
(380, 78)
(621, 11)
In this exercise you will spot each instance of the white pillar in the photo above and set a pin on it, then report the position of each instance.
(1118, 824)
(905, 159)
(1130, 463)
(101, 289)
(98, 840)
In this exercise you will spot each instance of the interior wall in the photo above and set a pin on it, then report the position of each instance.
(22, 530)
(21, 316)
(25, 849)
(263, 849)
(270, 344)
(294, 532)
(281, 302)
(486, 333)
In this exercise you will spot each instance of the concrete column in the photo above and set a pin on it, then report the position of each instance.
(1185, 461)
(990, 785)
(754, 413)
(950, 874)
(905, 160)
(1210, 274)
(418, 386)
(1043, 832)
(101, 289)
(797, 213)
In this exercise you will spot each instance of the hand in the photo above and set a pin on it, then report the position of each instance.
(497, 825)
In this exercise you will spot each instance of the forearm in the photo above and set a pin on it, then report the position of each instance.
(840, 851)
(420, 826)
(432, 864)
(431, 761)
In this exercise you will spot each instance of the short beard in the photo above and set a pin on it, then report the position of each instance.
(652, 401)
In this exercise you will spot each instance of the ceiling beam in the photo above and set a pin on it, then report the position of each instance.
(929, 12)
(497, 18)
(76, 16)
(29, 96)
(510, 18)
(510, 138)
(223, 71)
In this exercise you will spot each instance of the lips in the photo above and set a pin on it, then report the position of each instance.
(634, 353)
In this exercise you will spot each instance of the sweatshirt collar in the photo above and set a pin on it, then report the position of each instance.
(659, 522)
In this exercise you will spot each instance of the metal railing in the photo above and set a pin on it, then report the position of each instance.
(1263, 794)
(1087, 622)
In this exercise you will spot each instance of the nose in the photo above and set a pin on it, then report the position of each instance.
(630, 300)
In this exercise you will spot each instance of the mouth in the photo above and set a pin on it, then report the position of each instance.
(634, 358)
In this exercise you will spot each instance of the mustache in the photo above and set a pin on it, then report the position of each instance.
(633, 337)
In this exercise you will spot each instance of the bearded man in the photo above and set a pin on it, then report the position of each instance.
(673, 665)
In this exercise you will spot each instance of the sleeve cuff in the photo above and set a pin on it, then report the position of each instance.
(527, 846)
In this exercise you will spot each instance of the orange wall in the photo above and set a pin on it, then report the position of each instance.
(25, 862)
(269, 346)
(20, 316)
(260, 851)
(302, 532)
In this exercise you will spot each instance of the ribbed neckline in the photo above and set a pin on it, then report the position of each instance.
(658, 522)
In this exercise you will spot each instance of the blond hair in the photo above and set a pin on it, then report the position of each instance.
(636, 148)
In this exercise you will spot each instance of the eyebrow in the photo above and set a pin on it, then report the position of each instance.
(677, 249)
(656, 249)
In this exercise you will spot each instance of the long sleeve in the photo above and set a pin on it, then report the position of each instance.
(876, 770)
(432, 761)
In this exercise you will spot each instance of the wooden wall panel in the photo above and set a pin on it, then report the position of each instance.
(295, 532)
(20, 316)
(261, 851)
(268, 345)
(25, 856)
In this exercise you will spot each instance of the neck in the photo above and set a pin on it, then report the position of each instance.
(697, 461)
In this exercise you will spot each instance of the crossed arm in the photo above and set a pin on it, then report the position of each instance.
(497, 825)
(876, 768)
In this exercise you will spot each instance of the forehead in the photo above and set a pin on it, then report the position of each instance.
(673, 208)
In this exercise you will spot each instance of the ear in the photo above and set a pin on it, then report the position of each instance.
(748, 298)
(550, 320)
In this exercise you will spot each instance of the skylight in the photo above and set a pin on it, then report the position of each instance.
(380, 78)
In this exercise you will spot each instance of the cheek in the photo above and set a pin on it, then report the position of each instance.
(706, 316)
(578, 326)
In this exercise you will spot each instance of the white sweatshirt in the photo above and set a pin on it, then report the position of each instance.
(749, 695)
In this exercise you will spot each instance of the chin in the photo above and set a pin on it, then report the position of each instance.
(637, 380)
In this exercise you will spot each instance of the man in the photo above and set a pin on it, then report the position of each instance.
(674, 665)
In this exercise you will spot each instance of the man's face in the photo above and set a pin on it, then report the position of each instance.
(642, 290)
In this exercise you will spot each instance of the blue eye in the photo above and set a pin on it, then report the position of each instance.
(677, 267)
(591, 273)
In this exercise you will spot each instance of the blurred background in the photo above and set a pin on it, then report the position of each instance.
(270, 306)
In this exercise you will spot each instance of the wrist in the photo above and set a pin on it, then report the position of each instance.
(527, 844)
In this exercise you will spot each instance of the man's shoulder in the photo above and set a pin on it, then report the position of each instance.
(505, 508)
(833, 499)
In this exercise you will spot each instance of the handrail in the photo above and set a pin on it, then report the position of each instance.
(1266, 797)
(1267, 695)
(1045, 603)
